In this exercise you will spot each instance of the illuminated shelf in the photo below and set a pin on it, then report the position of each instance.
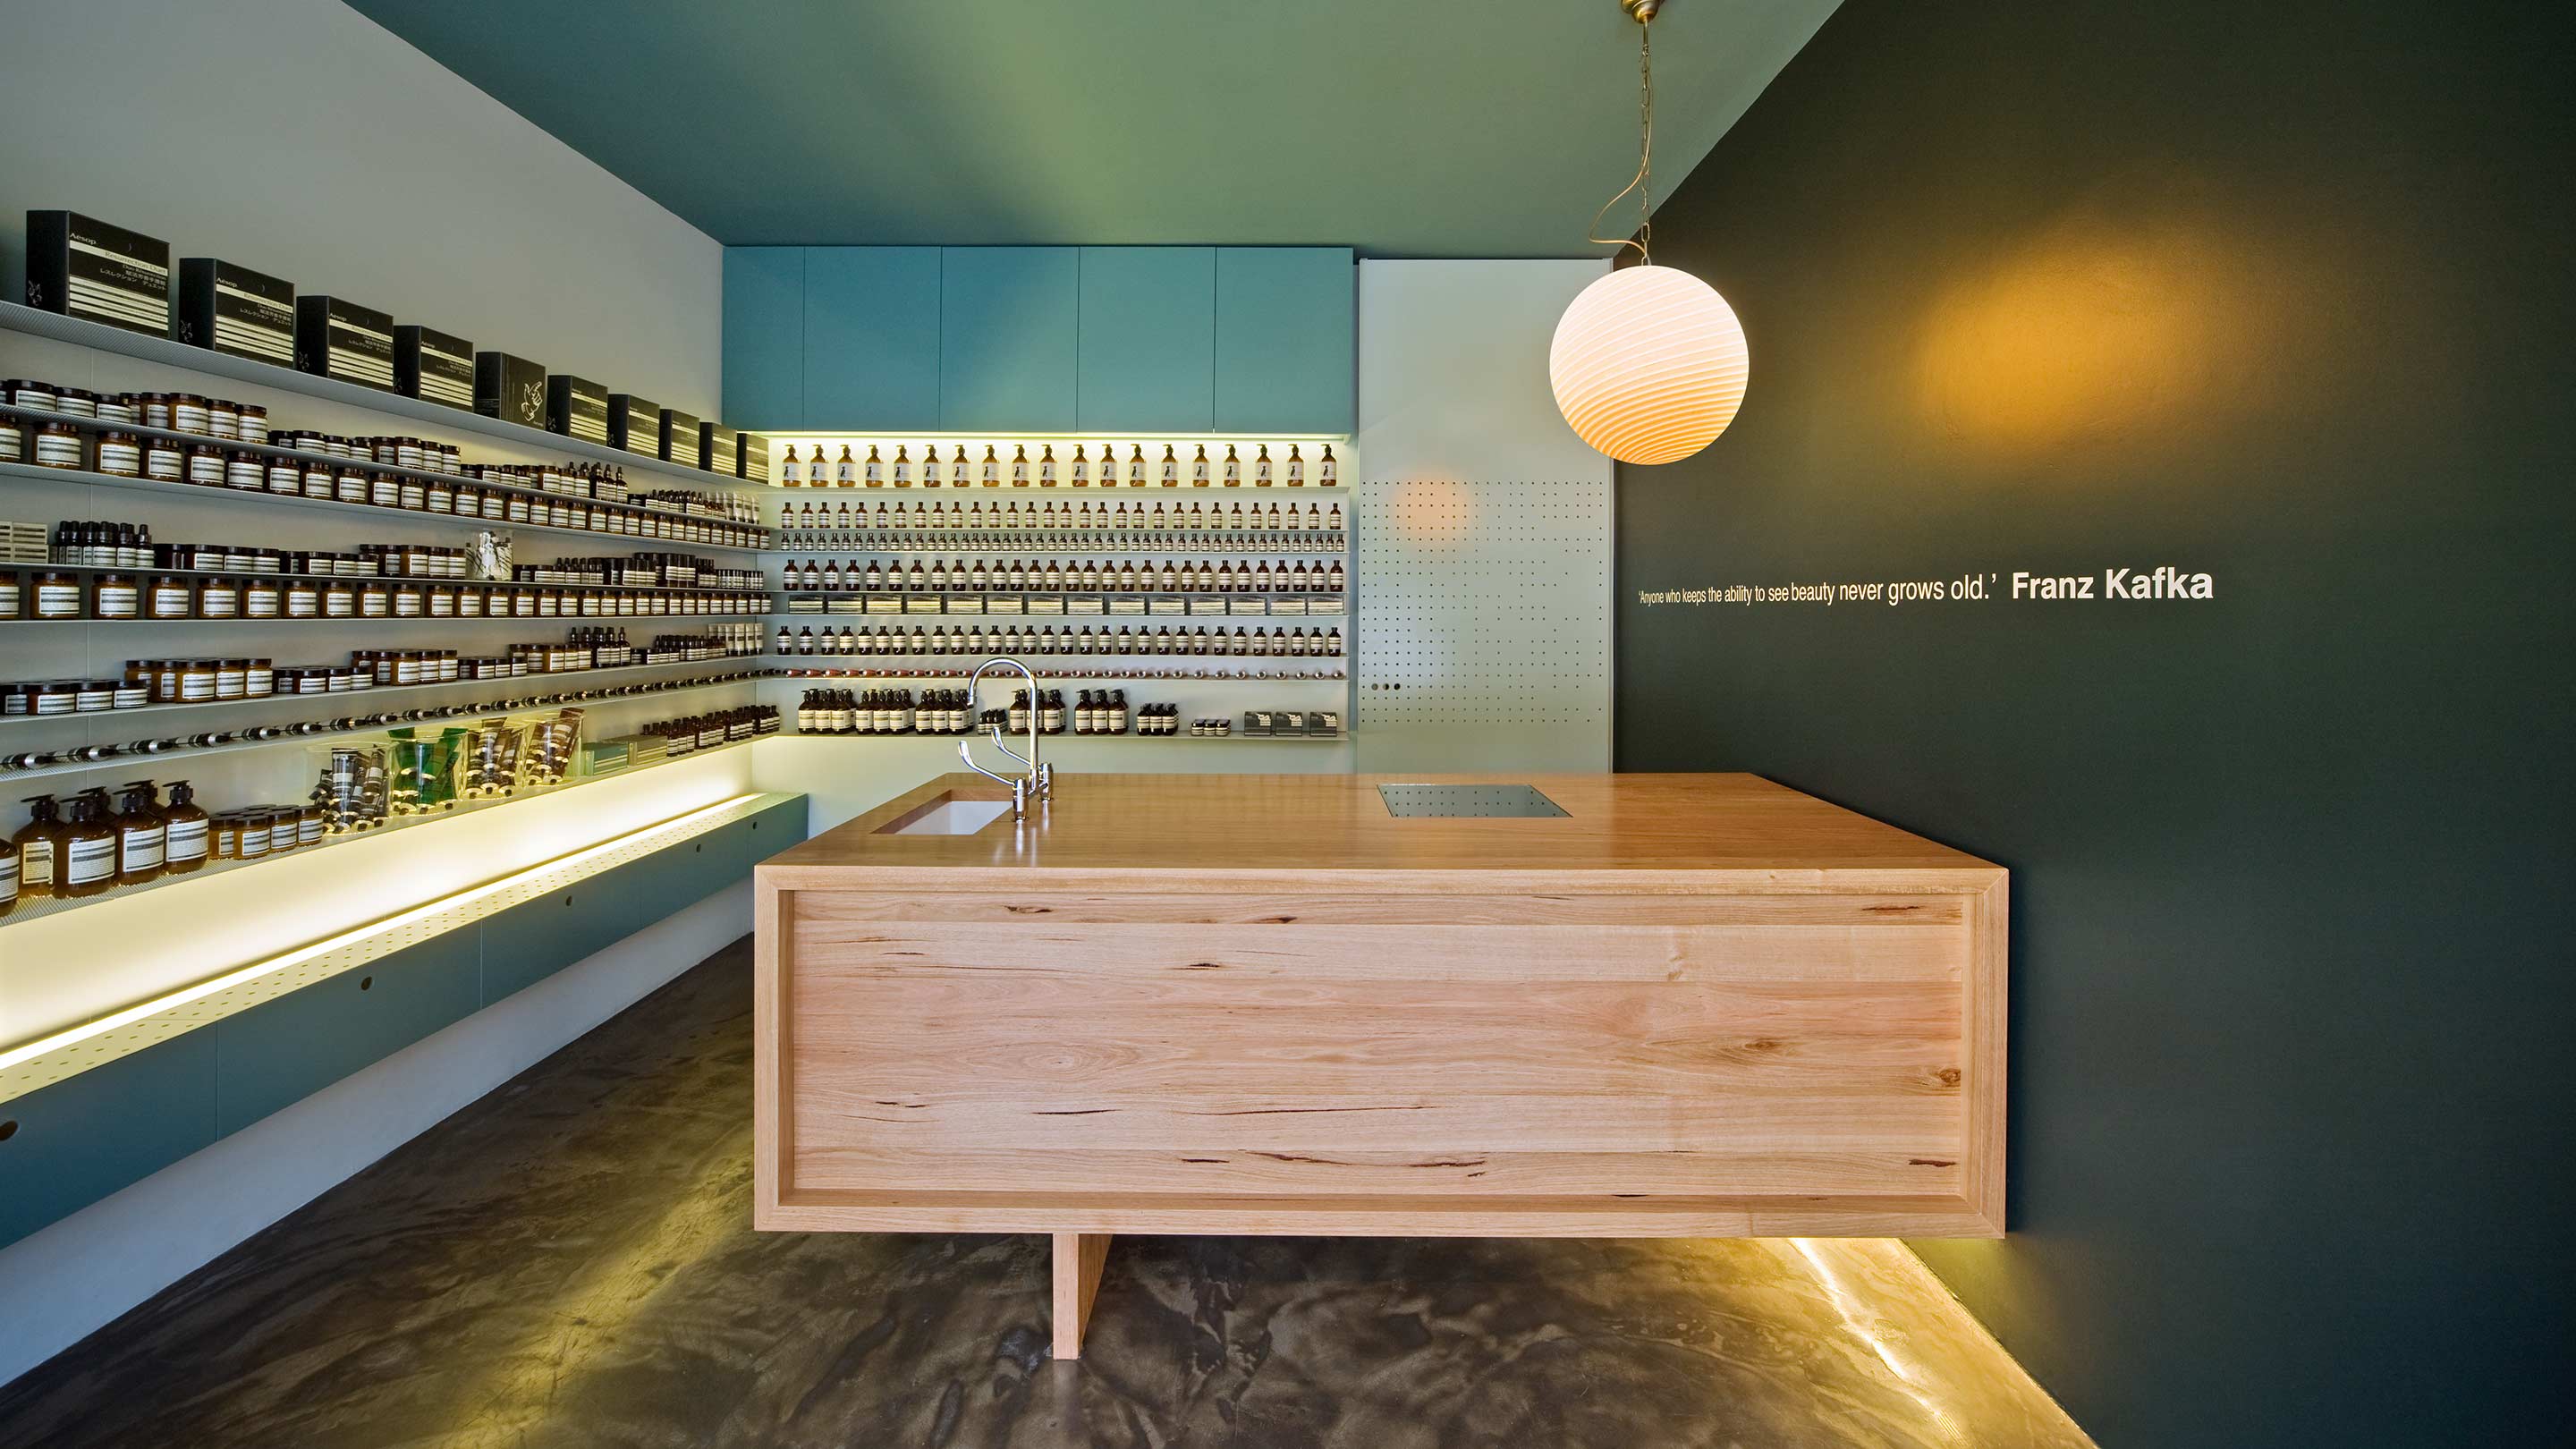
(468, 620)
(413, 515)
(1286, 545)
(795, 673)
(1341, 610)
(39, 908)
(1068, 737)
(63, 1054)
(563, 693)
(36, 322)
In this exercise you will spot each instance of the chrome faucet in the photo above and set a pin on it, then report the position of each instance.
(1039, 782)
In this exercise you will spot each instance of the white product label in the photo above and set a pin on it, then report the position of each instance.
(141, 849)
(124, 459)
(36, 863)
(57, 601)
(186, 841)
(85, 861)
(56, 451)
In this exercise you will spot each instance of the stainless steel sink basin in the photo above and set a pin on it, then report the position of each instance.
(950, 816)
(1434, 802)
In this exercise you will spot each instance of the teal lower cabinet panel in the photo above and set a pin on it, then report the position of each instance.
(66, 1146)
(140, 1108)
(282, 1051)
(532, 941)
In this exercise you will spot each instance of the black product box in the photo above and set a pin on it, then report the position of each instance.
(719, 450)
(434, 367)
(679, 438)
(752, 458)
(577, 408)
(82, 267)
(512, 389)
(337, 338)
(235, 310)
(634, 424)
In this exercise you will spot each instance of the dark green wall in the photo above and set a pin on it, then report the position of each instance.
(2284, 293)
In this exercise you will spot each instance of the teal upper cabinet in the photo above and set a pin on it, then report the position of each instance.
(872, 338)
(1286, 351)
(764, 338)
(1148, 333)
(1007, 323)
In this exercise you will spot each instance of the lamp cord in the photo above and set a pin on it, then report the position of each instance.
(1643, 183)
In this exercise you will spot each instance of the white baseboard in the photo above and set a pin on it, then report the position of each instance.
(72, 1277)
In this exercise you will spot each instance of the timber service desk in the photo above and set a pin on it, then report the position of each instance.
(1686, 1006)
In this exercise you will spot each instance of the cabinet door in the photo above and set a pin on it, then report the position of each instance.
(764, 338)
(279, 1052)
(872, 338)
(1286, 343)
(66, 1146)
(1007, 320)
(1148, 330)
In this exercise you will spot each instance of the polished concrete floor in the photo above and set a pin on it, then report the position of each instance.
(570, 1262)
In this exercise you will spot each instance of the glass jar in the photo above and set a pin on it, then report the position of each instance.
(120, 455)
(384, 490)
(259, 681)
(245, 471)
(223, 419)
(59, 445)
(196, 681)
(57, 595)
(339, 600)
(115, 596)
(374, 601)
(318, 479)
(169, 597)
(348, 484)
(218, 598)
(285, 476)
(441, 601)
(13, 594)
(303, 599)
(187, 413)
(413, 494)
(206, 465)
(263, 597)
(230, 675)
(94, 696)
(409, 603)
(442, 498)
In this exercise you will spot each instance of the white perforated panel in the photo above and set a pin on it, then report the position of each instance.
(1481, 527)
(1490, 638)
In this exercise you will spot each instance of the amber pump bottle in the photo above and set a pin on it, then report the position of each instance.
(183, 843)
(8, 875)
(40, 846)
(141, 834)
(85, 863)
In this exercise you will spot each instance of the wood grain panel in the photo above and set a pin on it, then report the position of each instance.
(1255, 908)
(1467, 1173)
(1463, 954)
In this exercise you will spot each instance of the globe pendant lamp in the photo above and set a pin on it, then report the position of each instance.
(1649, 363)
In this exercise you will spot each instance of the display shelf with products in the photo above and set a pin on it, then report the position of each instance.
(32, 908)
(976, 462)
(35, 322)
(673, 534)
(159, 753)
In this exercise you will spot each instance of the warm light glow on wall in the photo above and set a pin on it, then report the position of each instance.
(1649, 365)
(2093, 332)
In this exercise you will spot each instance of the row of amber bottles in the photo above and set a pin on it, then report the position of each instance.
(875, 471)
(1193, 576)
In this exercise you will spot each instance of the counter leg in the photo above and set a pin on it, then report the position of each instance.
(1078, 1260)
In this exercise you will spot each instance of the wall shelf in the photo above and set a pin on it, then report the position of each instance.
(37, 909)
(348, 699)
(36, 322)
(944, 545)
(1070, 737)
(413, 515)
(736, 595)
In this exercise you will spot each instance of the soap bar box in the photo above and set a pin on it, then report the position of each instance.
(512, 389)
(681, 438)
(634, 424)
(236, 311)
(434, 367)
(719, 450)
(338, 339)
(577, 408)
(753, 458)
(82, 267)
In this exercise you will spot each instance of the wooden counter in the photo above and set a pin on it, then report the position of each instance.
(1696, 1005)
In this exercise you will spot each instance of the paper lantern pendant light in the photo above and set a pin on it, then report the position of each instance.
(1649, 363)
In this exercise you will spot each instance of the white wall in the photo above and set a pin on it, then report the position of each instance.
(300, 138)
(1482, 527)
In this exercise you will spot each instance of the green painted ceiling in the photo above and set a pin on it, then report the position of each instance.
(1403, 127)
